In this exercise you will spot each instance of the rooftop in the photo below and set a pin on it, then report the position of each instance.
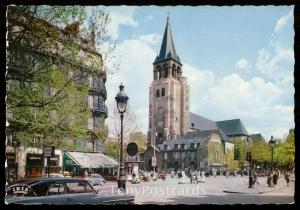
(167, 50)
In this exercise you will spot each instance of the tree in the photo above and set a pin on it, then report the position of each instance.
(96, 31)
(284, 153)
(140, 139)
(240, 150)
(260, 151)
(129, 124)
(46, 77)
(112, 148)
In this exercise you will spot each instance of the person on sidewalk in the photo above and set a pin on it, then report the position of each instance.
(269, 179)
(275, 178)
(85, 174)
(287, 178)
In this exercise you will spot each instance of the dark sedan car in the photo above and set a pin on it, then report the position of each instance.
(62, 191)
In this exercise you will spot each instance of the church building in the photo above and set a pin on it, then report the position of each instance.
(182, 139)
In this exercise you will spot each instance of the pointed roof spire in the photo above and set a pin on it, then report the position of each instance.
(167, 49)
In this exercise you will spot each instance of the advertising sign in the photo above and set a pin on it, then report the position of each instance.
(132, 149)
(48, 151)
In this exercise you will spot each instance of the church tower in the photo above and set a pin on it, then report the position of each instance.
(168, 95)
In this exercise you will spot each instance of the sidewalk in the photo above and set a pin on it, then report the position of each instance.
(280, 189)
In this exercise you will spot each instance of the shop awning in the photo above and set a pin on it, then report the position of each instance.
(89, 160)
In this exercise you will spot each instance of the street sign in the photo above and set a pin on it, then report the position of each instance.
(49, 151)
(132, 149)
(153, 161)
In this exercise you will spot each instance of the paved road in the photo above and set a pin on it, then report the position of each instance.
(210, 192)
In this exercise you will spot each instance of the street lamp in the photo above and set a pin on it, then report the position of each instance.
(272, 144)
(121, 99)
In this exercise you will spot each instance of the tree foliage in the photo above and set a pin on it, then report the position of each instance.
(46, 79)
(96, 30)
(140, 139)
(284, 152)
(112, 148)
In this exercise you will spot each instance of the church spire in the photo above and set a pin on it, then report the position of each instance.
(167, 49)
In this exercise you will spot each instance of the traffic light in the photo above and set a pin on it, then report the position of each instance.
(249, 156)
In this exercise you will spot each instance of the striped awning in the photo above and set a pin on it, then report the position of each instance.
(89, 160)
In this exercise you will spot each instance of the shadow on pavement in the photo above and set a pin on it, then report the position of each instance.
(225, 199)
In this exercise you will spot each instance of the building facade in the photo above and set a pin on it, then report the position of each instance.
(84, 59)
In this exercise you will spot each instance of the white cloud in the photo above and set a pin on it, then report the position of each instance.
(121, 15)
(283, 21)
(243, 64)
(136, 74)
(276, 61)
(150, 38)
(199, 81)
(251, 101)
(148, 18)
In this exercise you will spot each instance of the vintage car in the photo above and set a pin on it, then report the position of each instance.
(62, 191)
(96, 179)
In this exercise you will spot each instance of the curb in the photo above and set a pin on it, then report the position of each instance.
(243, 192)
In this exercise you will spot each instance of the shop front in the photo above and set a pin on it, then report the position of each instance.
(77, 162)
(34, 165)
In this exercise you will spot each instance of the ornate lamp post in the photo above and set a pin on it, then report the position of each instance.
(272, 144)
(121, 99)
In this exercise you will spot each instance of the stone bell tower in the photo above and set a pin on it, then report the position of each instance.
(168, 95)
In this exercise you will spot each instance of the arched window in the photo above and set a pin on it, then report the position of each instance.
(173, 70)
(157, 93)
(163, 92)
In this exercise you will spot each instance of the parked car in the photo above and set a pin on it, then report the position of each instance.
(96, 179)
(62, 191)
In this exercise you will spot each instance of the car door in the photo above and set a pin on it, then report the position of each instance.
(81, 193)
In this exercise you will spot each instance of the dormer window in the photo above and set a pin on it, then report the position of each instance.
(198, 145)
(176, 146)
(192, 145)
(182, 146)
(165, 147)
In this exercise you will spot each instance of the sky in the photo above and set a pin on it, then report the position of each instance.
(238, 61)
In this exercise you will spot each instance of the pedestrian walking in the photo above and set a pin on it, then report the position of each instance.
(191, 176)
(255, 178)
(85, 173)
(269, 179)
(275, 178)
(287, 178)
